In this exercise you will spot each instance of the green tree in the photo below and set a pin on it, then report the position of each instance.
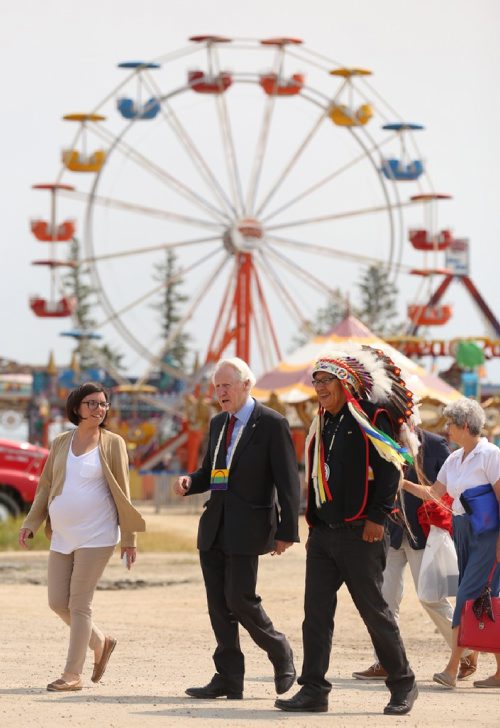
(90, 355)
(326, 318)
(169, 307)
(378, 294)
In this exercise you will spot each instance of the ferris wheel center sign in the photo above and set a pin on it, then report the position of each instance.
(244, 234)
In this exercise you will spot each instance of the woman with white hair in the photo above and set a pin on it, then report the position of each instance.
(471, 474)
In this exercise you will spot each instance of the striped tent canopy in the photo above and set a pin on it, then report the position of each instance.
(290, 381)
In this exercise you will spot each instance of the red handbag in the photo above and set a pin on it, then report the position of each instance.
(479, 628)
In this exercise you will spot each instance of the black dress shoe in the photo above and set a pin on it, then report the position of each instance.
(304, 702)
(215, 689)
(401, 704)
(284, 675)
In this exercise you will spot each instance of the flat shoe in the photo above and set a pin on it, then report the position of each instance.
(100, 667)
(442, 678)
(490, 682)
(61, 686)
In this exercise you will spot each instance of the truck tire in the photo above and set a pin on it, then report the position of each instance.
(8, 507)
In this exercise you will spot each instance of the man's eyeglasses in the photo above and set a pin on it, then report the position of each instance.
(321, 382)
(93, 404)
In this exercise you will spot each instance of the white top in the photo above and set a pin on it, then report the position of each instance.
(481, 466)
(84, 514)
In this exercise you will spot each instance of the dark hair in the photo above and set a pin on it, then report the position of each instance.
(75, 399)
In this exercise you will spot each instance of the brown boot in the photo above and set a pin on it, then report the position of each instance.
(468, 666)
(375, 672)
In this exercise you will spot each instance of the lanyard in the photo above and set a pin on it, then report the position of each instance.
(327, 456)
(219, 441)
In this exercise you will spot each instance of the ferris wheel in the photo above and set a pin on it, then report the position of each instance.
(268, 170)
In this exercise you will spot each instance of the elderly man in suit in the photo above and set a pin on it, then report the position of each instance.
(251, 472)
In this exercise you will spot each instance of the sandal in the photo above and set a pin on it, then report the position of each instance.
(61, 686)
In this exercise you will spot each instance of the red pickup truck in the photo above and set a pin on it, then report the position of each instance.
(20, 467)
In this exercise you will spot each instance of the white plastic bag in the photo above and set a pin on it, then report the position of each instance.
(438, 576)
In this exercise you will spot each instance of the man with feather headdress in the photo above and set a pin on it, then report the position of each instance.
(353, 467)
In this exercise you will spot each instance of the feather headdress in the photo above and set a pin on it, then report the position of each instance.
(368, 373)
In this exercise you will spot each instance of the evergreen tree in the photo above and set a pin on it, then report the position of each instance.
(90, 355)
(169, 308)
(326, 318)
(378, 308)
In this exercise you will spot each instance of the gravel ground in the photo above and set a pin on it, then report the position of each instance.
(158, 614)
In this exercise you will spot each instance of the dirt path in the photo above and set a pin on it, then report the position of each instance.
(165, 643)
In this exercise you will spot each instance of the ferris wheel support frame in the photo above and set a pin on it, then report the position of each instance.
(475, 295)
(240, 314)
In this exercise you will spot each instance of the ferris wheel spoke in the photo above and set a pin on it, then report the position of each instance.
(305, 275)
(195, 303)
(187, 50)
(339, 215)
(289, 304)
(393, 113)
(164, 284)
(267, 324)
(227, 140)
(293, 161)
(389, 207)
(307, 247)
(149, 166)
(263, 136)
(304, 54)
(147, 249)
(140, 209)
(194, 153)
(322, 182)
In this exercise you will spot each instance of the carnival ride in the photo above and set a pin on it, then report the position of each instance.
(221, 163)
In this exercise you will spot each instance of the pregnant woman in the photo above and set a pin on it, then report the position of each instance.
(83, 495)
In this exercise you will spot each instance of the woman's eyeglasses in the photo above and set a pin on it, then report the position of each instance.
(93, 404)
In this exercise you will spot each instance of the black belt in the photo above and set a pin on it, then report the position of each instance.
(344, 524)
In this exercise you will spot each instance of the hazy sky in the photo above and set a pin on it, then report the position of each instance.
(437, 63)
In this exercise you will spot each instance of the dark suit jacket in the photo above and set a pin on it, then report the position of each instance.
(435, 450)
(355, 494)
(263, 476)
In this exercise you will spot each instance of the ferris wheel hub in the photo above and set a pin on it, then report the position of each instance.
(244, 235)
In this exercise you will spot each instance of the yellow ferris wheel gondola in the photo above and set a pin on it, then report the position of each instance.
(348, 114)
(80, 160)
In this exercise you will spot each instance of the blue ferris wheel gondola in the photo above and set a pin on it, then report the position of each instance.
(134, 109)
(396, 169)
(403, 169)
(138, 64)
(403, 126)
(130, 109)
(80, 334)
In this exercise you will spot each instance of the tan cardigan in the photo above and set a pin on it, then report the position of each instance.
(114, 461)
